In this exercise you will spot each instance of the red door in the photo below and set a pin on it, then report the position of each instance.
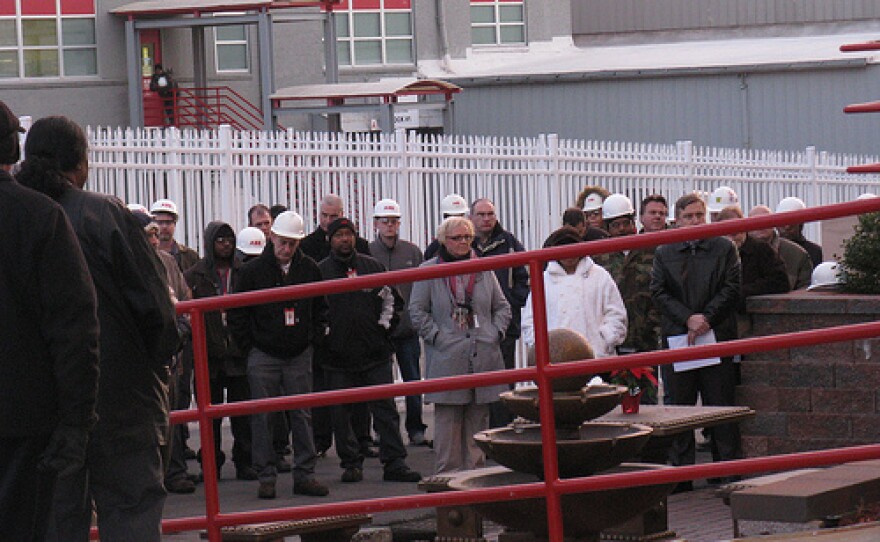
(151, 54)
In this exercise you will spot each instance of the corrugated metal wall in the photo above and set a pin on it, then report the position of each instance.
(780, 110)
(614, 16)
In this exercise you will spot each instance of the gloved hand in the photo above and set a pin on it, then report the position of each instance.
(66, 452)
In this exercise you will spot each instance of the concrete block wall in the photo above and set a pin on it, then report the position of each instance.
(816, 397)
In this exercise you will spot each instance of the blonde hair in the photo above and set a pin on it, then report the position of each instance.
(451, 223)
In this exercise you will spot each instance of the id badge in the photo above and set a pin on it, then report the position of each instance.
(289, 317)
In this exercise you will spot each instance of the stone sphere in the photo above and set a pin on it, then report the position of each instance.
(567, 345)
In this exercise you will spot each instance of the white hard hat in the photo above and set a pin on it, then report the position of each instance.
(386, 208)
(790, 203)
(251, 241)
(164, 206)
(825, 275)
(289, 224)
(593, 202)
(454, 205)
(617, 205)
(866, 195)
(137, 208)
(722, 197)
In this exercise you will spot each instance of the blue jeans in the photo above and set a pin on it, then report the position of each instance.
(408, 351)
(270, 377)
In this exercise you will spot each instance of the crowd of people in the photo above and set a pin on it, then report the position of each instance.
(89, 306)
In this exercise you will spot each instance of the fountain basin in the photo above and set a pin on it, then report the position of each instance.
(570, 407)
(592, 447)
(584, 515)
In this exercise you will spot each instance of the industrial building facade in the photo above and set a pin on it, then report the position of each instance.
(731, 73)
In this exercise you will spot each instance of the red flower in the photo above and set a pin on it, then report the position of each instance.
(638, 377)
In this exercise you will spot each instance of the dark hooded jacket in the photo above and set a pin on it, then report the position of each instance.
(137, 322)
(48, 324)
(204, 280)
(263, 326)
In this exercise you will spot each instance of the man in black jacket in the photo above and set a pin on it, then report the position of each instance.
(493, 240)
(316, 246)
(123, 470)
(696, 286)
(277, 339)
(214, 275)
(48, 348)
(358, 353)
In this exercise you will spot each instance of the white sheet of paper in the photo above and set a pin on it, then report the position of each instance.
(681, 341)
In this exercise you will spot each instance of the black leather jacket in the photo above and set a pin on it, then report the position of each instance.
(697, 277)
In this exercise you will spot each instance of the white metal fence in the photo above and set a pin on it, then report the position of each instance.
(218, 175)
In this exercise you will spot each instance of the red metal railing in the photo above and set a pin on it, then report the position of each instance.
(869, 107)
(543, 373)
(207, 107)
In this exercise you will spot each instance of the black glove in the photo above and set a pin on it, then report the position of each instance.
(66, 452)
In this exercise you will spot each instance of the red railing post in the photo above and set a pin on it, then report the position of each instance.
(206, 425)
(545, 402)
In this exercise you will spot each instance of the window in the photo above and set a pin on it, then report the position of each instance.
(374, 32)
(231, 48)
(498, 22)
(47, 38)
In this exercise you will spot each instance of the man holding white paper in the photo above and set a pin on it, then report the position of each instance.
(695, 285)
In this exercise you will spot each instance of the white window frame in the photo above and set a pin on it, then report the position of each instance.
(382, 38)
(497, 24)
(220, 42)
(20, 48)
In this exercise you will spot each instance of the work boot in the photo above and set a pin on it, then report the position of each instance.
(245, 472)
(401, 474)
(266, 490)
(180, 485)
(352, 474)
(311, 488)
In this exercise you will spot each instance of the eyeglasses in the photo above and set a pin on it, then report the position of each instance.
(224, 239)
(460, 238)
(390, 221)
(164, 222)
(621, 224)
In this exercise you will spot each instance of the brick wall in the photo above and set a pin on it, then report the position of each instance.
(816, 397)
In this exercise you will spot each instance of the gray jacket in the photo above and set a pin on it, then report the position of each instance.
(403, 255)
(450, 351)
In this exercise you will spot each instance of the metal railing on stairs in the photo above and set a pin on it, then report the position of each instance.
(204, 108)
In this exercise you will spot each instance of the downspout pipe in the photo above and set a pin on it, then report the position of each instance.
(443, 36)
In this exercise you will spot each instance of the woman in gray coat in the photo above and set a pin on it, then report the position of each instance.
(462, 321)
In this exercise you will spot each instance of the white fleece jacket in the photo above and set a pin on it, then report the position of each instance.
(586, 301)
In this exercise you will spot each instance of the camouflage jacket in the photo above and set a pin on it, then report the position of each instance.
(632, 274)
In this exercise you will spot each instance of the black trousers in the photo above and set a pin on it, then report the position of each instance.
(322, 417)
(25, 491)
(386, 420)
(716, 386)
(237, 389)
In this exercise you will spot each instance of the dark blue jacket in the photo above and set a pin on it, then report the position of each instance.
(514, 281)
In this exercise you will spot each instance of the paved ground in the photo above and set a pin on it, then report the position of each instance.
(697, 516)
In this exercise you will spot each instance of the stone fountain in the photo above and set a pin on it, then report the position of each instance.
(583, 447)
